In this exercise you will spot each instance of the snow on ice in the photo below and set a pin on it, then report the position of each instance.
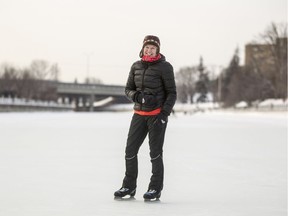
(70, 164)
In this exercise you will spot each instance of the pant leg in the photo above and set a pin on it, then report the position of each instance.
(156, 141)
(137, 133)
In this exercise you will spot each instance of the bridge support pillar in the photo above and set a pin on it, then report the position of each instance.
(76, 103)
(91, 103)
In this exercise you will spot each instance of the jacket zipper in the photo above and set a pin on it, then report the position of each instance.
(142, 88)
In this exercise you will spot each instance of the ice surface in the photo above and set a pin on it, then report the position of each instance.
(216, 164)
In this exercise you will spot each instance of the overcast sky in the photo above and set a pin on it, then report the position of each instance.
(110, 33)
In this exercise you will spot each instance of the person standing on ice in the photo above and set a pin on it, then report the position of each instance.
(151, 86)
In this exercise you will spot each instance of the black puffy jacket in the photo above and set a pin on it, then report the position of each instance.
(155, 81)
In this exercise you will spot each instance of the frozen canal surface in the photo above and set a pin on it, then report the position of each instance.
(216, 164)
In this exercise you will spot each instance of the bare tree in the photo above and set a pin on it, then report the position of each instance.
(273, 32)
(26, 85)
(254, 86)
(33, 82)
(54, 72)
(269, 58)
(42, 70)
(186, 80)
(8, 81)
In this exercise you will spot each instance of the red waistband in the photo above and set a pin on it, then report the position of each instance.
(145, 113)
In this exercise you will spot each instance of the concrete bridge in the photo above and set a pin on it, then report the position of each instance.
(90, 97)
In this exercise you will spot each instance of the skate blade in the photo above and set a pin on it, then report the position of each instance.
(125, 198)
(152, 200)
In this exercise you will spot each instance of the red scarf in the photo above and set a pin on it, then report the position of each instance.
(151, 59)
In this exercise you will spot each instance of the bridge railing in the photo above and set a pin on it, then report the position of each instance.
(111, 90)
(32, 103)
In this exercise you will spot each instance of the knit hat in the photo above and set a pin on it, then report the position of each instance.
(150, 39)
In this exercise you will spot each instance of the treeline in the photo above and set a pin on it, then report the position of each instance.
(263, 76)
(243, 83)
(29, 82)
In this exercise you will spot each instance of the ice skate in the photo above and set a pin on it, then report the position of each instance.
(124, 192)
(152, 195)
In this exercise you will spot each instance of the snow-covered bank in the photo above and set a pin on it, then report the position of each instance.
(216, 164)
(270, 105)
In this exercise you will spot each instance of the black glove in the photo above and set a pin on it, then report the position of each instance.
(144, 98)
(161, 118)
(138, 97)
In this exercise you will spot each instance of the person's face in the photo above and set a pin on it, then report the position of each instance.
(150, 50)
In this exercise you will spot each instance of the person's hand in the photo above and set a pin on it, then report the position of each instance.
(138, 97)
(147, 99)
(161, 118)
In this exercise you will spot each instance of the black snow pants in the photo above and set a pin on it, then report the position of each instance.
(139, 128)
